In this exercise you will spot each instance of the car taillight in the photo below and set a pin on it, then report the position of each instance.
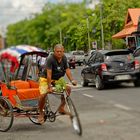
(137, 64)
(103, 67)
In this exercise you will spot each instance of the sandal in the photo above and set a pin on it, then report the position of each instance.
(63, 112)
(41, 119)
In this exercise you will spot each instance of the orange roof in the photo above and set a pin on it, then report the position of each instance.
(131, 23)
(125, 32)
(134, 14)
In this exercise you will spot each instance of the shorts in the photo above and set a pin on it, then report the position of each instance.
(43, 85)
(59, 85)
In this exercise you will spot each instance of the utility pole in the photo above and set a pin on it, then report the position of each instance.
(88, 34)
(102, 30)
(60, 35)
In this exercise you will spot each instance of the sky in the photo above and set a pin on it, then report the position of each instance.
(12, 11)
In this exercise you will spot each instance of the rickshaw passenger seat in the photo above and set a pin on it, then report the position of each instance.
(19, 84)
(26, 90)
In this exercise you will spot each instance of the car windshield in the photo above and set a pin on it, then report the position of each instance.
(67, 54)
(78, 53)
(121, 57)
(137, 52)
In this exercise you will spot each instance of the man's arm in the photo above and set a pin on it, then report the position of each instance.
(69, 75)
(49, 79)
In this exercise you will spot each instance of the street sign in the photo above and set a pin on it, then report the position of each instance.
(94, 45)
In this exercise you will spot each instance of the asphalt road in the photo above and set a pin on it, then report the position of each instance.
(110, 114)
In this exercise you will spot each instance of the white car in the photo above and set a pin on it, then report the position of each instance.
(79, 56)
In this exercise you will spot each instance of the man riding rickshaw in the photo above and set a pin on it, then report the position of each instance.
(20, 89)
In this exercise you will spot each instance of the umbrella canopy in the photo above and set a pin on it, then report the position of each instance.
(17, 51)
(13, 54)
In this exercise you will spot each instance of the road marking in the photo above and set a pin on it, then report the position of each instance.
(122, 107)
(90, 96)
(80, 89)
(72, 86)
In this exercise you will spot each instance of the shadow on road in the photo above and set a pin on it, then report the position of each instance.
(116, 86)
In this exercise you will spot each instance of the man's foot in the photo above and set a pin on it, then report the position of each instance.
(62, 111)
(41, 119)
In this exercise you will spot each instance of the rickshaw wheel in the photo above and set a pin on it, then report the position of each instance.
(6, 114)
(33, 117)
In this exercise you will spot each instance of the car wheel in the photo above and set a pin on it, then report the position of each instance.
(98, 83)
(84, 82)
(137, 83)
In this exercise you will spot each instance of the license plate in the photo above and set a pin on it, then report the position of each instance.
(122, 77)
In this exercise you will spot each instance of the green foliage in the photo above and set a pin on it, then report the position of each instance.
(60, 85)
(68, 23)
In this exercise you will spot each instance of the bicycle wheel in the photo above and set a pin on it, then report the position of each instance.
(33, 117)
(74, 116)
(6, 114)
(50, 116)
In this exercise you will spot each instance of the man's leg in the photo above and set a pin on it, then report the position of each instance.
(62, 106)
(63, 103)
(43, 86)
(68, 90)
(41, 107)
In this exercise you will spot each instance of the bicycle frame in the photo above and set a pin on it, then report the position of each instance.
(51, 115)
(72, 112)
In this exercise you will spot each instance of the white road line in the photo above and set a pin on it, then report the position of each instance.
(90, 96)
(72, 86)
(122, 107)
(80, 89)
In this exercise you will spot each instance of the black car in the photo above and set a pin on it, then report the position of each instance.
(111, 66)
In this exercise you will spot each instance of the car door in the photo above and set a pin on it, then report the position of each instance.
(94, 69)
(88, 72)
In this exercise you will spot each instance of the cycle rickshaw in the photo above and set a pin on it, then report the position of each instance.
(20, 92)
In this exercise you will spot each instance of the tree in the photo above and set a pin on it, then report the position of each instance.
(67, 23)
